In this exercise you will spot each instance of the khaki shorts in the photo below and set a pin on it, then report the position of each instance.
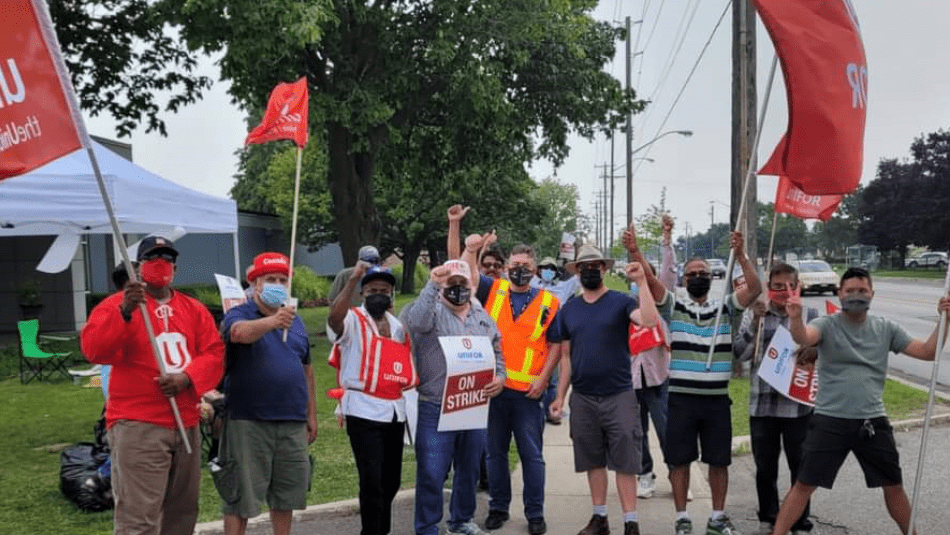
(606, 432)
(262, 460)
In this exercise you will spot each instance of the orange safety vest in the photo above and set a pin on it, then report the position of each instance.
(522, 341)
(386, 366)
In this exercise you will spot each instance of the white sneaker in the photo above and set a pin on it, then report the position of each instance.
(646, 485)
(689, 495)
(468, 528)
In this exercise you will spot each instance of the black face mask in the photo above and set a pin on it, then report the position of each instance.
(457, 295)
(591, 279)
(519, 276)
(377, 304)
(698, 286)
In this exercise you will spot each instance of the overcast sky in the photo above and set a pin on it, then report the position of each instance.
(908, 94)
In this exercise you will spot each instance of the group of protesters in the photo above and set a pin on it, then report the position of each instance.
(626, 358)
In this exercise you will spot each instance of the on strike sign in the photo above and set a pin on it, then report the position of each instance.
(779, 370)
(469, 367)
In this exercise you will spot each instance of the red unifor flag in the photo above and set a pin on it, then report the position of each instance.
(819, 45)
(36, 123)
(286, 115)
(793, 201)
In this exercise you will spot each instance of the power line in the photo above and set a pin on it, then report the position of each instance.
(646, 44)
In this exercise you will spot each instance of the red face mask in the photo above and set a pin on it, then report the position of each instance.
(779, 297)
(157, 272)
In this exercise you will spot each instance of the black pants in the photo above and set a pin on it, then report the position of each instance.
(377, 448)
(769, 436)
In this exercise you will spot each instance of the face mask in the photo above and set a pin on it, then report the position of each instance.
(519, 276)
(779, 297)
(273, 294)
(157, 272)
(377, 304)
(855, 303)
(547, 275)
(458, 295)
(591, 279)
(698, 286)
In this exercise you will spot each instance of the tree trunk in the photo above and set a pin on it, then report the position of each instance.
(351, 185)
(409, 256)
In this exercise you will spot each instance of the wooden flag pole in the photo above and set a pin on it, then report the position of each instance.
(53, 45)
(768, 269)
(742, 207)
(941, 338)
(293, 228)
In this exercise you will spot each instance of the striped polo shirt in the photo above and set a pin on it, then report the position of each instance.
(691, 334)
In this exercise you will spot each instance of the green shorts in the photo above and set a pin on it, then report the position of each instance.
(262, 460)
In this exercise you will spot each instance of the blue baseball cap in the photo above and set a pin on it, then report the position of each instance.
(378, 273)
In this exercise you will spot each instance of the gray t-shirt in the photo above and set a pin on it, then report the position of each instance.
(852, 364)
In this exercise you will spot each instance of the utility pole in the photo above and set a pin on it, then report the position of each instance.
(744, 116)
(629, 138)
(606, 213)
(611, 188)
(712, 221)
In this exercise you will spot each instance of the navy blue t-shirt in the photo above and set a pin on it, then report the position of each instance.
(519, 302)
(265, 380)
(600, 354)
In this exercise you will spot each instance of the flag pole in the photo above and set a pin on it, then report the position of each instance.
(768, 269)
(293, 227)
(52, 43)
(742, 207)
(941, 338)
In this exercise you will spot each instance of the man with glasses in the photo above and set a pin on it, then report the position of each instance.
(491, 262)
(154, 480)
(530, 342)
(774, 420)
(699, 404)
(605, 419)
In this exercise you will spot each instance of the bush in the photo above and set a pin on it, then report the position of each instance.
(307, 285)
(420, 277)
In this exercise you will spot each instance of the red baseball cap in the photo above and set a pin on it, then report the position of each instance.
(266, 263)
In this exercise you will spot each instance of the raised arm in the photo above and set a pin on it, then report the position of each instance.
(474, 244)
(456, 214)
(419, 316)
(753, 287)
(667, 273)
(649, 317)
(629, 239)
(342, 302)
(925, 350)
(804, 335)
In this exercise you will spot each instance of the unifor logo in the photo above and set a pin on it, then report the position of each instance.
(19, 92)
(397, 367)
(467, 343)
(773, 353)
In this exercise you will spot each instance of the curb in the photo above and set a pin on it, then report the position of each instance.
(323, 511)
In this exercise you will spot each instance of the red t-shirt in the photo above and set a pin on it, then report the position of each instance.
(189, 341)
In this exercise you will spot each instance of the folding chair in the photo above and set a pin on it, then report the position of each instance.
(34, 362)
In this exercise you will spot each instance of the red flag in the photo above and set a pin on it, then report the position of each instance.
(36, 124)
(791, 200)
(831, 308)
(819, 45)
(286, 115)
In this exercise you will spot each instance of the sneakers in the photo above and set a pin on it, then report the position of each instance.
(468, 528)
(646, 485)
(683, 526)
(721, 526)
(496, 519)
(631, 528)
(597, 526)
(537, 526)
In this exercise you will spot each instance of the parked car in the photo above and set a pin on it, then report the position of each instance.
(938, 260)
(717, 267)
(817, 276)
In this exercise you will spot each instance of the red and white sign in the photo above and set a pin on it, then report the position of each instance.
(469, 367)
(826, 79)
(286, 115)
(781, 372)
(789, 199)
(36, 124)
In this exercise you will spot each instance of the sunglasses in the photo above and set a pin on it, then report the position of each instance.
(697, 274)
(492, 265)
(163, 256)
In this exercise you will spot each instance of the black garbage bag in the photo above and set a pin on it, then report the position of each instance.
(80, 479)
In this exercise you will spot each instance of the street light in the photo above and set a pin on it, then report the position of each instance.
(685, 133)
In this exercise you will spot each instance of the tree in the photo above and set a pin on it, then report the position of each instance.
(931, 156)
(379, 69)
(561, 214)
(121, 56)
(883, 221)
(791, 234)
(833, 237)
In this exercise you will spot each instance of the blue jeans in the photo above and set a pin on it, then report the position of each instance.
(514, 413)
(550, 392)
(653, 402)
(436, 452)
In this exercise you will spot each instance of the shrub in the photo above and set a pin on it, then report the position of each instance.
(420, 277)
(307, 285)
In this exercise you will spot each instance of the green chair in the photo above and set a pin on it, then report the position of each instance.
(34, 362)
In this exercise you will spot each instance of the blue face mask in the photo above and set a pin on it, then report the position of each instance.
(547, 275)
(273, 294)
